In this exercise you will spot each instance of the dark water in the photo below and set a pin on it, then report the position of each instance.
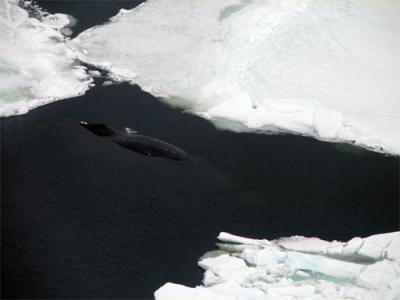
(89, 13)
(84, 218)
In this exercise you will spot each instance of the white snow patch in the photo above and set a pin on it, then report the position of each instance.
(36, 66)
(296, 268)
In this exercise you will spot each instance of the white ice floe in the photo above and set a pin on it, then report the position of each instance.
(296, 268)
(36, 66)
(328, 69)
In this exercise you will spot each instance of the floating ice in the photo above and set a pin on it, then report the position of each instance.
(328, 69)
(36, 66)
(296, 268)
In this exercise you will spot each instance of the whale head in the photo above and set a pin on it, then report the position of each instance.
(97, 129)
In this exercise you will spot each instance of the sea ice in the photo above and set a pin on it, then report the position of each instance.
(36, 66)
(327, 69)
(296, 268)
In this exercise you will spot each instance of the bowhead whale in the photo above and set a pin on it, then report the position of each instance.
(142, 144)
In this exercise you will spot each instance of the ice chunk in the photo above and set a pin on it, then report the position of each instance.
(268, 256)
(297, 268)
(311, 67)
(36, 66)
(172, 291)
(301, 243)
(230, 238)
(392, 251)
(107, 83)
(294, 291)
(94, 73)
(380, 274)
(223, 265)
(373, 247)
(58, 21)
(233, 289)
(323, 265)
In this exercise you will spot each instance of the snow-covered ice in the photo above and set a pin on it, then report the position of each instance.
(296, 268)
(36, 66)
(327, 69)
(324, 69)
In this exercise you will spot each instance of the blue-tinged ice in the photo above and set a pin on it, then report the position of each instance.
(296, 268)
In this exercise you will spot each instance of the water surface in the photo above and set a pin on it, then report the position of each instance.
(84, 218)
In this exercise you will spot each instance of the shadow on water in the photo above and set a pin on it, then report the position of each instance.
(85, 218)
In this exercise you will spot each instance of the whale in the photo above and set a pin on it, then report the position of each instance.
(142, 144)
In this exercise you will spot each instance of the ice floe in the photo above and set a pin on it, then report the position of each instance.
(324, 69)
(36, 66)
(296, 268)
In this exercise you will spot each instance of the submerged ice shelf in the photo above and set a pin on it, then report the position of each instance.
(36, 66)
(296, 268)
(324, 69)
